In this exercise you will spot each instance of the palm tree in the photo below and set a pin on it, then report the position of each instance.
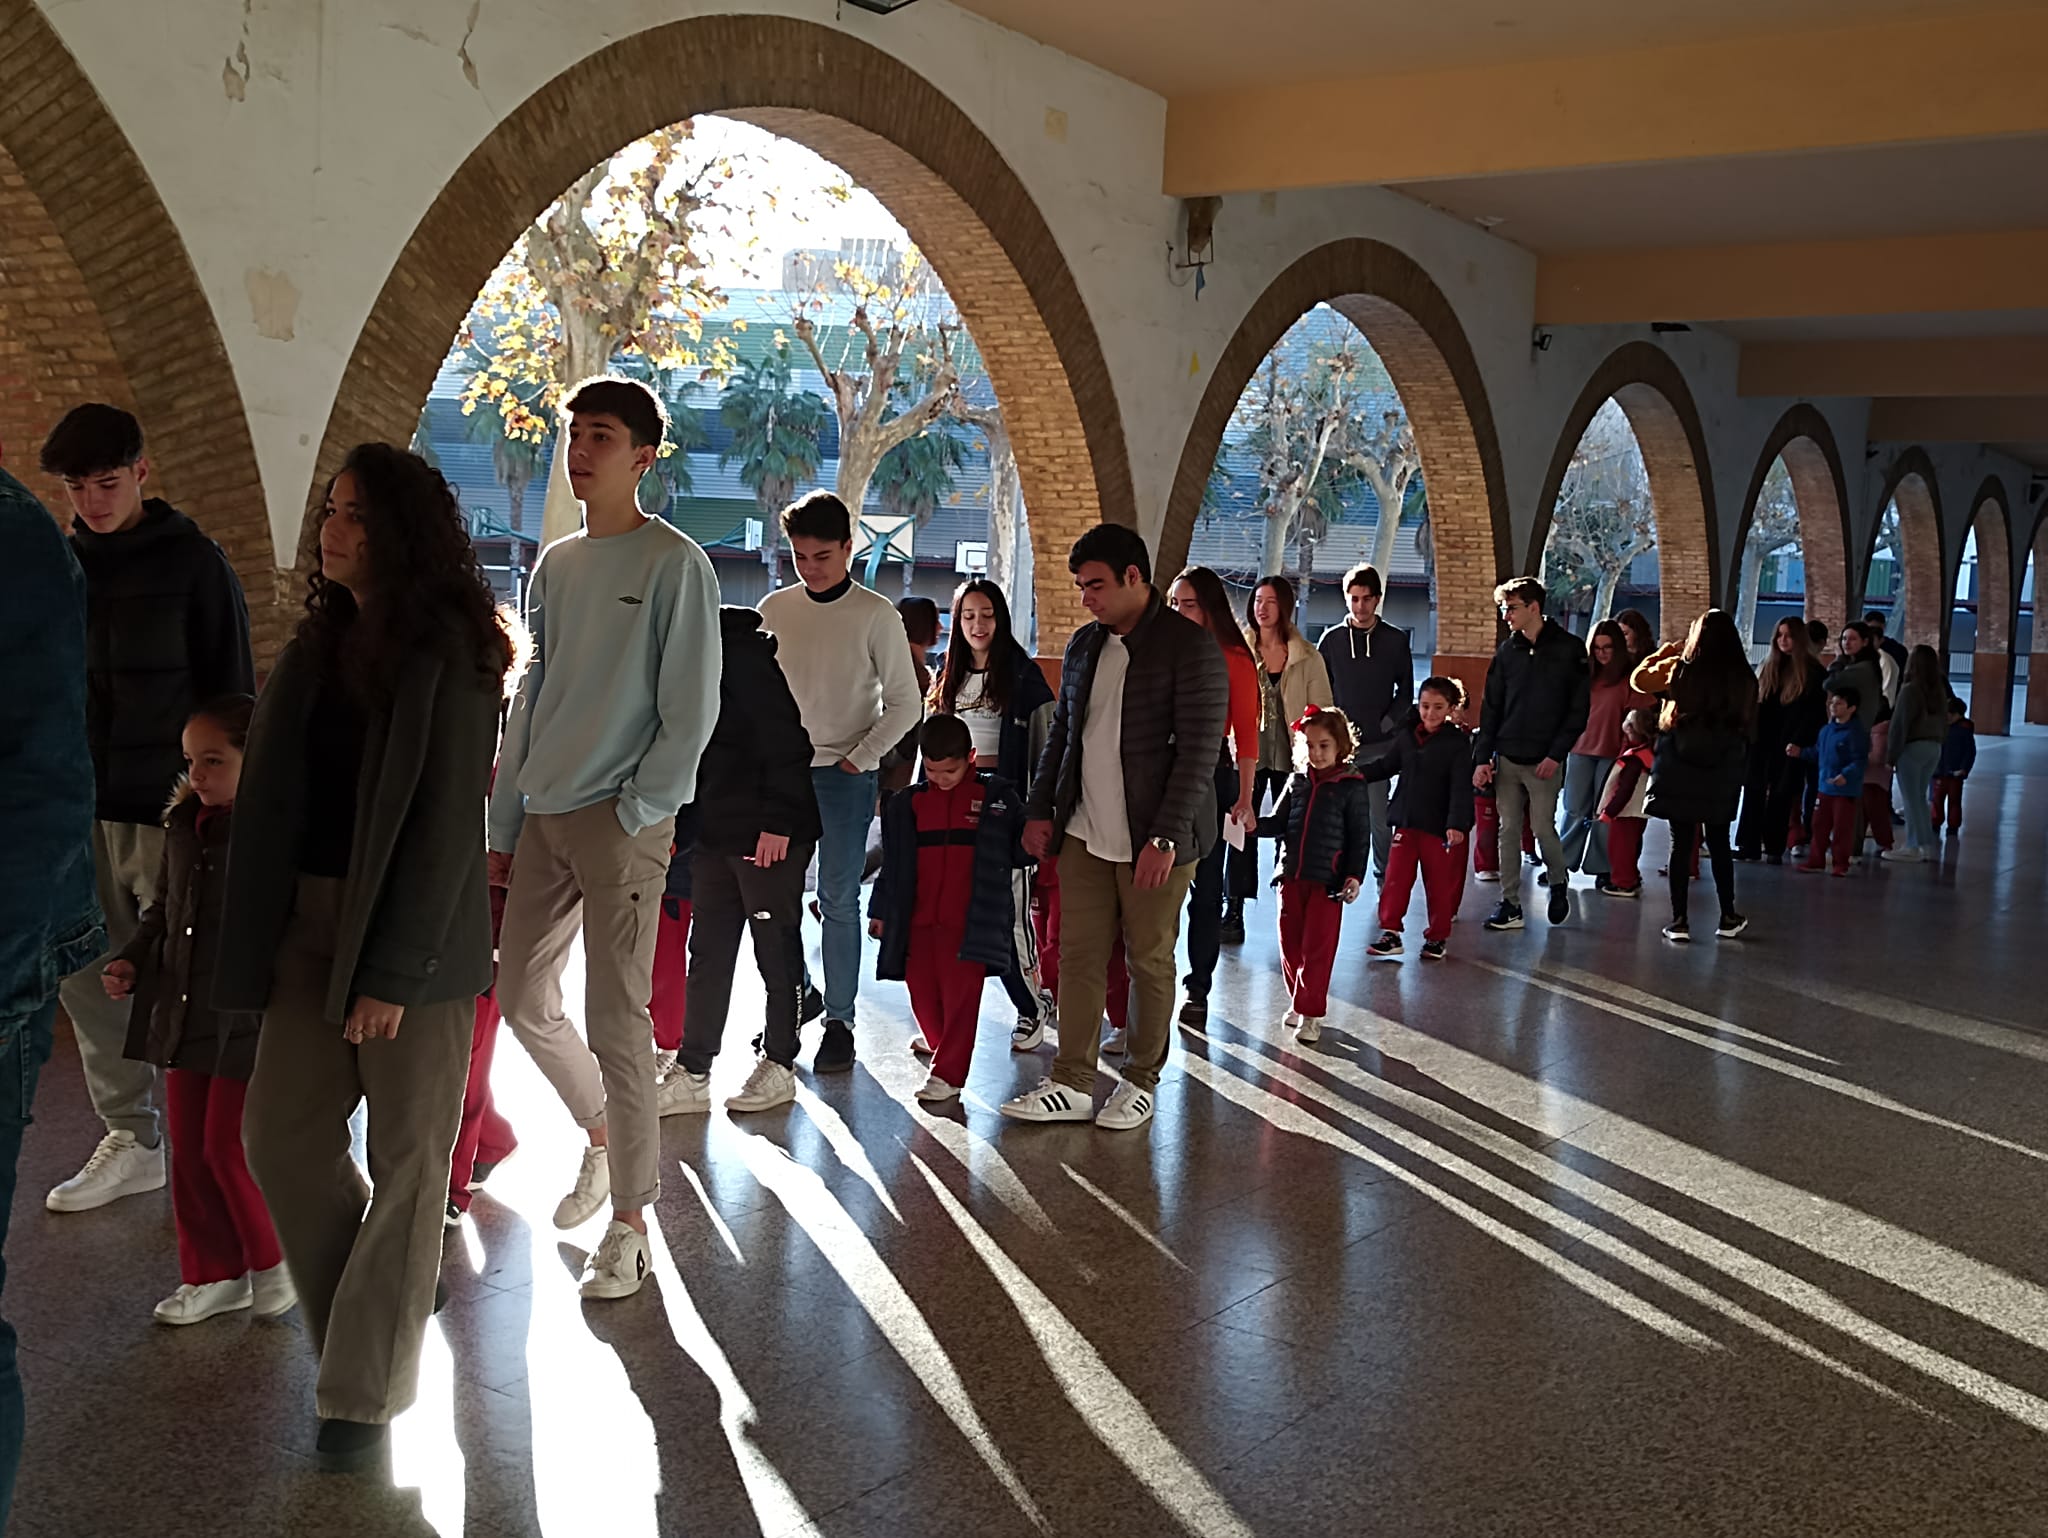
(915, 476)
(775, 436)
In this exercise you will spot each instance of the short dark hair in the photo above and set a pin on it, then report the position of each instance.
(1874, 618)
(818, 515)
(1956, 707)
(1118, 547)
(629, 400)
(1367, 576)
(920, 618)
(943, 738)
(1448, 688)
(1850, 693)
(1525, 589)
(91, 439)
(1817, 633)
(229, 712)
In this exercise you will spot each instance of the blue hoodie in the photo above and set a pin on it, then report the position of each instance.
(1843, 750)
(1959, 750)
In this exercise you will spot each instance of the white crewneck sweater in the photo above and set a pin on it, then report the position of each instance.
(848, 665)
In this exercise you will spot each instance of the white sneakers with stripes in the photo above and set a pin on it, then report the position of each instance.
(1128, 1106)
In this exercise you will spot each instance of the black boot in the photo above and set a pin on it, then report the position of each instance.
(835, 1052)
(1231, 932)
(350, 1447)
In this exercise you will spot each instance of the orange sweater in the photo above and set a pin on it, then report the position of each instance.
(1242, 726)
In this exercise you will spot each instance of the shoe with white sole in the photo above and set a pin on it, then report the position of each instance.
(1128, 1106)
(936, 1089)
(1028, 1035)
(451, 1215)
(119, 1167)
(1901, 855)
(919, 1047)
(683, 1093)
(1486, 875)
(271, 1292)
(1290, 1020)
(769, 1085)
(1310, 1029)
(1050, 1101)
(195, 1302)
(620, 1264)
(593, 1188)
(664, 1063)
(1117, 1043)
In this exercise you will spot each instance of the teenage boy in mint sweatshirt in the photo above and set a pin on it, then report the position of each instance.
(841, 648)
(601, 748)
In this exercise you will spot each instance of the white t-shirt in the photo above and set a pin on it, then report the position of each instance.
(1101, 820)
(984, 722)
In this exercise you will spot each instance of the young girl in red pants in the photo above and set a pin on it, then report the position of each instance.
(1621, 804)
(228, 1255)
(1324, 824)
(1432, 814)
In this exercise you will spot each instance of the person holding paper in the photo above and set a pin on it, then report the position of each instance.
(1198, 594)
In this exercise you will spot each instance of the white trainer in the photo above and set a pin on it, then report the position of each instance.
(1028, 1035)
(620, 1264)
(1117, 1043)
(683, 1093)
(664, 1062)
(272, 1292)
(1310, 1029)
(769, 1085)
(592, 1190)
(1291, 1019)
(1128, 1106)
(1050, 1101)
(194, 1302)
(119, 1167)
(935, 1088)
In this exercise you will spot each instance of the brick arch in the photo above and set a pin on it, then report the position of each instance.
(2037, 649)
(1991, 666)
(1913, 484)
(1653, 395)
(1416, 333)
(98, 299)
(1820, 491)
(891, 130)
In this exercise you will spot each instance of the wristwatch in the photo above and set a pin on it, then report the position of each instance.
(1163, 845)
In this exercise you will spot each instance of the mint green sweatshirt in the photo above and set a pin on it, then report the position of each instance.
(622, 692)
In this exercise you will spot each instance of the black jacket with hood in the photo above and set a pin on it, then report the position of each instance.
(1372, 676)
(166, 630)
(755, 775)
(1435, 793)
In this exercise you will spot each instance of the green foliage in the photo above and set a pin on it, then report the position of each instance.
(776, 429)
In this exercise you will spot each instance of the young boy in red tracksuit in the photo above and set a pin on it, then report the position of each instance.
(1324, 824)
(943, 906)
(1621, 803)
(1958, 758)
(1432, 816)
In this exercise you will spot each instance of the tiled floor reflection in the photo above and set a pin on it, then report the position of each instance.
(1576, 1233)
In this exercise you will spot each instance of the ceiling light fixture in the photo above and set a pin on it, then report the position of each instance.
(879, 7)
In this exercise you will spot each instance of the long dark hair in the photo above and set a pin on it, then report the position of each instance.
(1923, 667)
(1787, 675)
(1713, 685)
(1617, 670)
(1215, 601)
(1004, 652)
(1283, 590)
(425, 587)
(1635, 624)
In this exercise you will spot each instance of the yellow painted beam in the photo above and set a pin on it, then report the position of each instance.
(1899, 366)
(1920, 81)
(2022, 419)
(1903, 275)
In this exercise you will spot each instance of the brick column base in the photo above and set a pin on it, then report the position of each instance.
(1991, 676)
(2037, 689)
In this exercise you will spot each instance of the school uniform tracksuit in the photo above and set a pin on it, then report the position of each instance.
(1958, 758)
(1842, 752)
(1324, 824)
(1435, 796)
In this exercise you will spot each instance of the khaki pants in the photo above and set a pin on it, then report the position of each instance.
(127, 863)
(1097, 901)
(1522, 796)
(582, 867)
(365, 1267)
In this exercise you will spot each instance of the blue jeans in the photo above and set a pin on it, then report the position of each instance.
(846, 806)
(23, 1051)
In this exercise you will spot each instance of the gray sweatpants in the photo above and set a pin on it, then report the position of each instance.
(127, 865)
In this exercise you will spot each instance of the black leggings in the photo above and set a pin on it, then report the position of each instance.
(1683, 837)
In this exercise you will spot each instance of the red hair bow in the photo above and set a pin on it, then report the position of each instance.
(1308, 714)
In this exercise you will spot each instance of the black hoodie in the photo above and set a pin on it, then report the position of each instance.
(166, 630)
(1372, 676)
(755, 776)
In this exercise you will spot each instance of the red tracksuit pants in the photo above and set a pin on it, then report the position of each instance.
(1045, 931)
(1310, 919)
(484, 1136)
(1485, 837)
(1625, 850)
(945, 996)
(1443, 881)
(671, 975)
(1834, 825)
(1945, 795)
(224, 1230)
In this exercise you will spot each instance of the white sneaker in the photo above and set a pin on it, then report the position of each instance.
(935, 1088)
(1117, 1043)
(1899, 854)
(1290, 1020)
(683, 1093)
(1050, 1101)
(664, 1062)
(592, 1190)
(919, 1047)
(1486, 875)
(272, 1293)
(1028, 1034)
(119, 1167)
(620, 1264)
(202, 1300)
(769, 1085)
(1128, 1106)
(1310, 1029)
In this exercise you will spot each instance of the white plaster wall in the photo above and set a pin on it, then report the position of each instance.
(296, 187)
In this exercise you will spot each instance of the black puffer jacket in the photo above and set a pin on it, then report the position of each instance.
(1176, 699)
(1537, 698)
(1325, 828)
(1435, 793)
(755, 775)
(172, 1022)
(166, 630)
(1698, 772)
